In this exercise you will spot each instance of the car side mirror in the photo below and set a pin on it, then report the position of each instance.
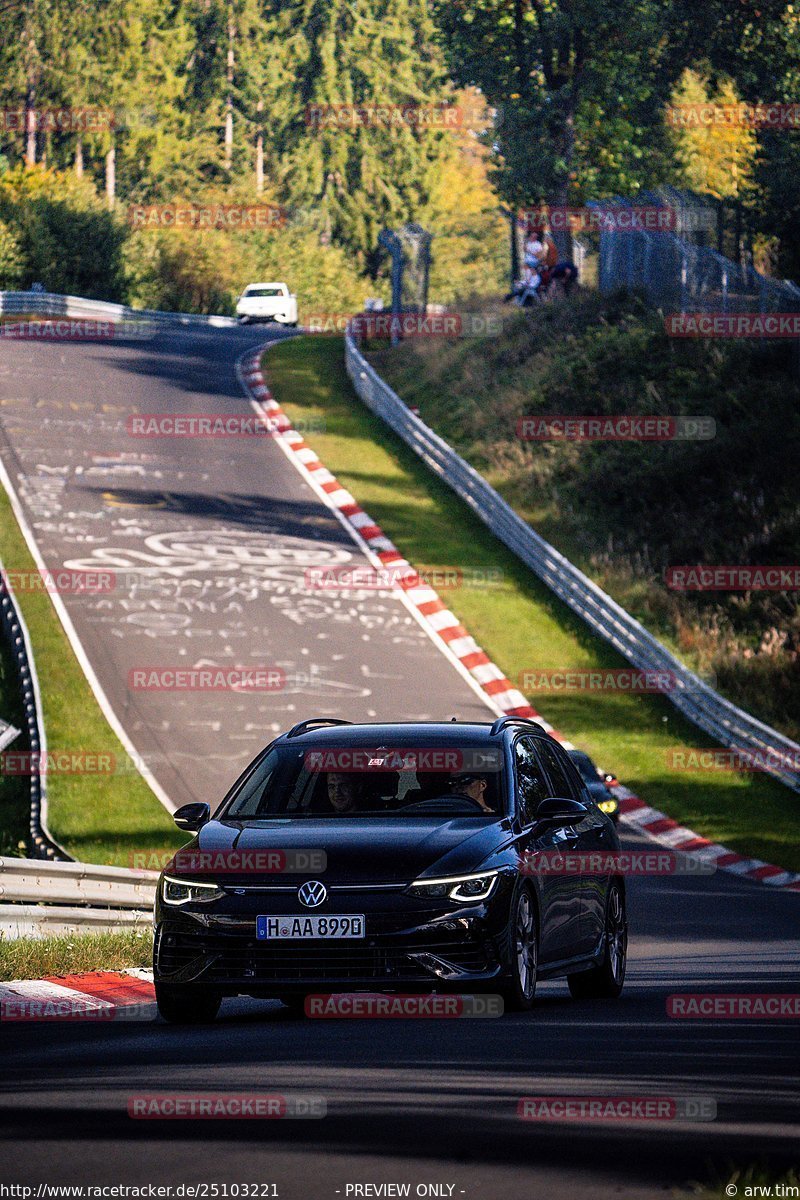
(557, 810)
(191, 817)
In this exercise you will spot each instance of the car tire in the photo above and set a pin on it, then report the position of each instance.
(605, 981)
(522, 940)
(186, 1005)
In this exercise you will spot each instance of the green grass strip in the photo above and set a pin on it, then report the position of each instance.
(517, 621)
(72, 954)
(97, 818)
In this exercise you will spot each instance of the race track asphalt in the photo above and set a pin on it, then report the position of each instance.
(212, 540)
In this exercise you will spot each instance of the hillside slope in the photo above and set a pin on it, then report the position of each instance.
(729, 500)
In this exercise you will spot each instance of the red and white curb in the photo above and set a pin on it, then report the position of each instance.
(100, 996)
(662, 829)
(454, 640)
(449, 633)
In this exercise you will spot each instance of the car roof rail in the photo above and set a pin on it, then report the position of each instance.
(312, 723)
(501, 723)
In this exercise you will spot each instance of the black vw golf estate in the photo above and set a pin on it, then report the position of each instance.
(393, 857)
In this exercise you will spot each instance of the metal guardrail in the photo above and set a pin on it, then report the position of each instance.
(76, 307)
(15, 631)
(29, 881)
(32, 920)
(40, 899)
(695, 699)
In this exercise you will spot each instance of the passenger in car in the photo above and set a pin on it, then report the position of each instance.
(473, 786)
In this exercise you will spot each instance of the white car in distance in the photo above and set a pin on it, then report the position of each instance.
(267, 302)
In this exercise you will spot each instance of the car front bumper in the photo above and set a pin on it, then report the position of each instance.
(426, 948)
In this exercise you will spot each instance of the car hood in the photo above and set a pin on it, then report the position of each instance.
(357, 850)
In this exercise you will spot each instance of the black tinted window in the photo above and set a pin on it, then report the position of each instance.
(584, 766)
(297, 781)
(560, 777)
(531, 784)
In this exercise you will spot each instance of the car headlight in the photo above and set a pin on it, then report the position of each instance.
(182, 891)
(457, 887)
(608, 806)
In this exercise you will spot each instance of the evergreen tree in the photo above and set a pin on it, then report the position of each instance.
(355, 180)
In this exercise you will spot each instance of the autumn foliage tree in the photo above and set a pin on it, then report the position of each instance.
(714, 144)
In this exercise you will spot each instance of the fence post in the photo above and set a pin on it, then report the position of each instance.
(512, 221)
(391, 242)
(684, 278)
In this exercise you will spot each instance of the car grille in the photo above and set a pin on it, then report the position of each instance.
(246, 960)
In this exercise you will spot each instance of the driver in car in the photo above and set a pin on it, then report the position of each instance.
(473, 786)
(343, 794)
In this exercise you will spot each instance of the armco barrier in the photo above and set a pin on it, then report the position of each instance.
(699, 703)
(13, 628)
(33, 920)
(29, 881)
(47, 898)
(49, 304)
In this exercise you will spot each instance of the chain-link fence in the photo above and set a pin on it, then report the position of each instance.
(681, 275)
(692, 696)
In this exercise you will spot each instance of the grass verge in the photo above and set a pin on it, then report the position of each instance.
(36, 958)
(626, 511)
(519, 623)
(97, 818)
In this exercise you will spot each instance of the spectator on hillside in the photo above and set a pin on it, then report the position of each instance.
(565, 274)
(535, 253)
(550, 251)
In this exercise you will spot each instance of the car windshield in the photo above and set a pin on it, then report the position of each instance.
(400, 781)
(262, 291)
(586, 768)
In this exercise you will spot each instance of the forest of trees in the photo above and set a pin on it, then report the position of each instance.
(206, 101)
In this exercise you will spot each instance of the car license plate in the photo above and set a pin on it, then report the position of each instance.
(345, 925)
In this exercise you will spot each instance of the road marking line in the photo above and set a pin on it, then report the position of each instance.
(77, 646)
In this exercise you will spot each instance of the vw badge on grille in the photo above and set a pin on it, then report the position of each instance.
(312, 893)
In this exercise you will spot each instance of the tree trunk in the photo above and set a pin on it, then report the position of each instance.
(79, 157)
(111, 176)
(260, 151)
(30, 126)
(229, 98)
(32, 79)
(563, 240)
